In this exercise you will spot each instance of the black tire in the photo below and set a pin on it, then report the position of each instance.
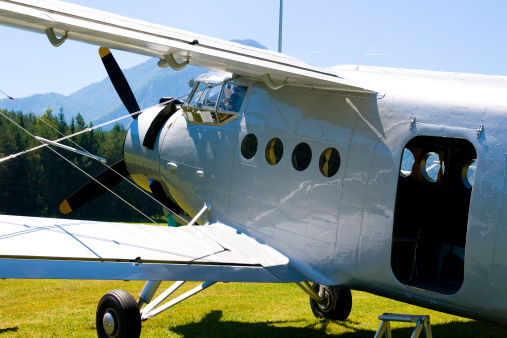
(337, 303)
(122, 310)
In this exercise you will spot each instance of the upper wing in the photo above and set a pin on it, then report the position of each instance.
(33, 247)
(114, 31)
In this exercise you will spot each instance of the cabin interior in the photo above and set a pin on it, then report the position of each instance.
(431, 213)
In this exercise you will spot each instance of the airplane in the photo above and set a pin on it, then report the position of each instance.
(389, 181)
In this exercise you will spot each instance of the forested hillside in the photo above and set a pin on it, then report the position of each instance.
(35, 183)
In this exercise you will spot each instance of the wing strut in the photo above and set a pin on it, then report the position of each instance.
(149, 310)
(199, 214)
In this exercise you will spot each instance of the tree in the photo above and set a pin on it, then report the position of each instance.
(35, 183)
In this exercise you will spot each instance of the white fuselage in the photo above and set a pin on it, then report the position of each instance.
(338, 230)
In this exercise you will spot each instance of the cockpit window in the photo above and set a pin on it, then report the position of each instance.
(205, 95)
(212, 92)
(198, 95)
(214, 103)
(232, 97)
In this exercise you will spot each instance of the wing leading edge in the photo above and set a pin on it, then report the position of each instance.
(114, 31)
(33, 247)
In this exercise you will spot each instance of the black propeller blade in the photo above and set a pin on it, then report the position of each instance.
(109, 178)
(119, 81)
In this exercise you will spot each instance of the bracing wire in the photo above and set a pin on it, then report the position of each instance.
(77, 167)
(73, 164)
(62, 138)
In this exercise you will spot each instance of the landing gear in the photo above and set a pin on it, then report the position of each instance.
(118, 316)
(336, 302)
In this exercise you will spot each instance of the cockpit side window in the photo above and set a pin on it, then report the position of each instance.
(214, 103)
(232, 97)
(197, 95)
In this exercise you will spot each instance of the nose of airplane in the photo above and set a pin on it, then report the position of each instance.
(142, 143)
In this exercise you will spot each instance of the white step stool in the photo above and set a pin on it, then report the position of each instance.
(420, 321)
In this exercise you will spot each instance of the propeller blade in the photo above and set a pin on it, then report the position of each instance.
(119, 81)
(109, 178)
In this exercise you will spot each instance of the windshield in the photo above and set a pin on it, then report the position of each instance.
(199, 90)
(214, 103)
(205, 95)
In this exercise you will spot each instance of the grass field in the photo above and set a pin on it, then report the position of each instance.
(51, 308)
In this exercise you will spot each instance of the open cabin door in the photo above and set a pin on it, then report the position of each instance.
(431, 214)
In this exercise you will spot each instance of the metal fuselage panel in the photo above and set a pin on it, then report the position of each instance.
(446, 106)
(301, 213)
(338, 230)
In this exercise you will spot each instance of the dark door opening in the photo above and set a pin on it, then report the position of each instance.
(431, 213)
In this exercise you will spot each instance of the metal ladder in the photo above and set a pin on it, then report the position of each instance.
(421, 322)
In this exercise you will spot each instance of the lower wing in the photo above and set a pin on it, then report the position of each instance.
(32, 247)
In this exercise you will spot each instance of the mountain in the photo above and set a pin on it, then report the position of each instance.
(98, 102)
(150, 83)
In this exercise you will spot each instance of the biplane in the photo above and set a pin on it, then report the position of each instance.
(389, 181)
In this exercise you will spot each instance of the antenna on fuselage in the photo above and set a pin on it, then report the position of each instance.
(280, 28)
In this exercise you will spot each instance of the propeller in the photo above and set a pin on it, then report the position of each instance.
(119, 81)
(110, 177)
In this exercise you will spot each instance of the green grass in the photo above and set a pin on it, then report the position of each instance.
(51, 308)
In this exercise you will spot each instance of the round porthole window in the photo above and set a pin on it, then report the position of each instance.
(468, 173)
(249, 146)
(274, 151)
(430, 166)
(329, 162)
(407, 161)
(301, 156)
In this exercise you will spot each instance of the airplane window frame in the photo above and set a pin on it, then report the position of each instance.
(277, 146)
(300, 160)
(334, 158)
(223, 104)
(467, 177)
(247, 151)
(194, 91)
(407, 157)
(198, 113)
(207, 99)
(425, 168)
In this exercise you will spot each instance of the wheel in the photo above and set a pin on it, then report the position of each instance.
(118, 316)
(337, 302)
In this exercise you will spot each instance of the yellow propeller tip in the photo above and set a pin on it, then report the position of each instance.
(65, 207)
(103, 51)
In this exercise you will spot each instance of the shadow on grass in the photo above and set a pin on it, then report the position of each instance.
(9, 329)
(211, 326)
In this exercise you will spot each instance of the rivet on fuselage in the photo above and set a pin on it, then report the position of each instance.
(412, 121)
(480, 129)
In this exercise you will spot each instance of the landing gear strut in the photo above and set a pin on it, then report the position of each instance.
(118, 316)
(335, 304)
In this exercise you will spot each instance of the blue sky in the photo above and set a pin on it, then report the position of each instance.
(455, 36)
